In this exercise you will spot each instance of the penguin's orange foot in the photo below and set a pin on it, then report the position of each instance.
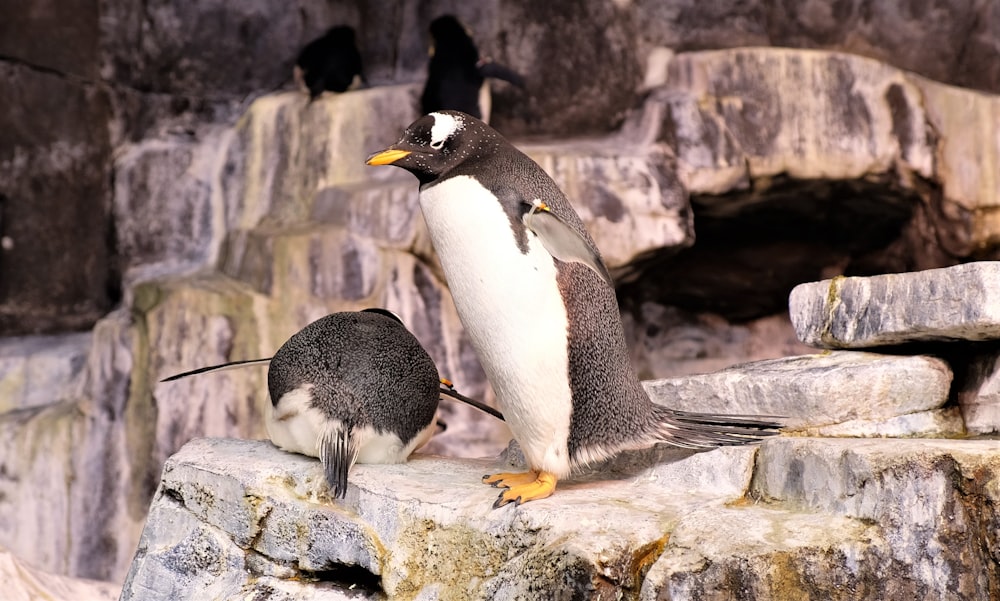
(509, 479)
(522, 488)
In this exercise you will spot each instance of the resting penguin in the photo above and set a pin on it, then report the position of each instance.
(538, 304)
(351, 387)
(330, 62)
(456, 75)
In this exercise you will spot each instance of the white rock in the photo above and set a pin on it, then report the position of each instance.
(630, 199)
(814, 390)
(167, 207)
(939, 423)
(233, 517)
(928, 496)
(42, 370)
(953, 303)
(421, 529)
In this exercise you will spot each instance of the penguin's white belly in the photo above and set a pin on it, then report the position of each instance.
(511, 307)
(296, 427)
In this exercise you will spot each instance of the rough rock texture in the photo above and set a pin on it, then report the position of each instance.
(861, 176)
(67, 501)
(41, 370)
(814, 390)
(936, 539)
(957, 303)
(54, 189)
(126, 72)
(935, 309)
(166, 220)
(978, 392)
(814, 523)
(715, 198)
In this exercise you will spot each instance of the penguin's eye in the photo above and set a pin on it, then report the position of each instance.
(438, 145)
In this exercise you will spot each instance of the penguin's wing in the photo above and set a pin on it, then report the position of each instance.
(211, 368)
(488, 68)
(562, 241)
(338, 450)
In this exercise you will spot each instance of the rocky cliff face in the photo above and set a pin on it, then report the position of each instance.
(867, 495)
(714, 183)
(80, 79)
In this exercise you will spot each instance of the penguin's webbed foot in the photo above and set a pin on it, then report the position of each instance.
(509, 479)
(522, 487)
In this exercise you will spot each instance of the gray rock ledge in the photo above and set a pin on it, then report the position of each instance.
(242, 520)
(815, 390)
(953, 303)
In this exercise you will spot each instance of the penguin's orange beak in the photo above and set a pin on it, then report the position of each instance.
(387, 157)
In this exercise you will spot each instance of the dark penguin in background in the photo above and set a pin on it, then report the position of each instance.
(351, 387)
(456, 76)
(536, 300)
(330, 62)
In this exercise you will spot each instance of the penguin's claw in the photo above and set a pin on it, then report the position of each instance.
(522, 488)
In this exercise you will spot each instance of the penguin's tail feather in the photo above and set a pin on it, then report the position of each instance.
(338, 451)
(211, 368)
(708, 430)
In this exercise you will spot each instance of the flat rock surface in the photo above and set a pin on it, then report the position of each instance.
(241, 520)
(953, 303)
(814, 390)
(409, 528)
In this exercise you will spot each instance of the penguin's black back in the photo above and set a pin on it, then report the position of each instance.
(331, 61)
(453, 77)
(366, 369)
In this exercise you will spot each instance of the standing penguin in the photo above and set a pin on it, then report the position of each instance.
(330, 62)
(456, 75)
(534, 296)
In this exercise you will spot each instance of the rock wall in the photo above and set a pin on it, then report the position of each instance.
(81, 78)
(867, 494)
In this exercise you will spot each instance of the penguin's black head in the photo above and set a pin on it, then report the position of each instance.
(436, 143)
(341, 36)
(450, 36)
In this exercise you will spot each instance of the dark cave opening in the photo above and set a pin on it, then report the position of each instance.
(752, 247)
(347, 579)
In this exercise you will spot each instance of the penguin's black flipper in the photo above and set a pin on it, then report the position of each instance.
(488, 68)
(562, 241)
(205, 370)
(338, 452)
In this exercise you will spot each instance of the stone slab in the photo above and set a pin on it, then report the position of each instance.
(947, 304)
(814, 390)
(938, 423)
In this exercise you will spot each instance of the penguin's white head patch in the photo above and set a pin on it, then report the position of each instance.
(444, 127)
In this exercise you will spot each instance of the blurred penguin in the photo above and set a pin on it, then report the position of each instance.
(456, 75)
(330, 63)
